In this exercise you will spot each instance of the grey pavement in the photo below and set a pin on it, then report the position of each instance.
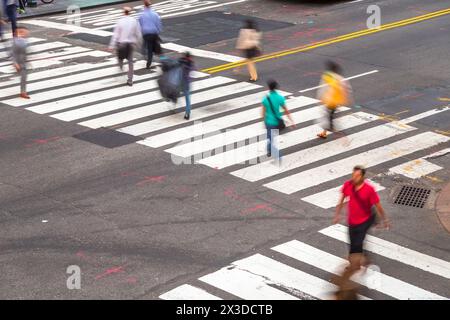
(139, 226)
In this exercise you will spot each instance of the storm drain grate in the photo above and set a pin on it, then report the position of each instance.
(412, 196)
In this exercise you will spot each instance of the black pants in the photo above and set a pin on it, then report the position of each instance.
(331, 113)
(358, 233)
(151, 45)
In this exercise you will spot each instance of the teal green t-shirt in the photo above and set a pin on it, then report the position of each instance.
(278, 101)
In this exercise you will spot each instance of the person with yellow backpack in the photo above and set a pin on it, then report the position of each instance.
(334, 91)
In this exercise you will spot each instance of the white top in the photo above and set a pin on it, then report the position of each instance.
(248, 39)
(127, 30)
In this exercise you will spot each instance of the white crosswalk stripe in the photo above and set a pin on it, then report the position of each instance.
(225, 131)
(89, 94)
(260, 277)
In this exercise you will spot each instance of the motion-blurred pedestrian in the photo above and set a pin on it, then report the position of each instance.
(334, 91)
(126, 36)
(10, 7)
(363, 208)
(249, 42)
(151, 28)
(271, 105)
(19, 56)
(187, 66)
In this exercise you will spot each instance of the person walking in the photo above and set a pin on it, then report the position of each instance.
(19, 56)
(363, 208)
(10, 7)
(249, 42)
(187, 66)
(151, 28)
(126, 37)
(2, 20)
(272, 116)
(334, 91)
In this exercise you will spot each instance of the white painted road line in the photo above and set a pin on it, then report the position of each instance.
(173, 120)
(329, 198)
(386, 284)
(188, 292)
(415, 169)
(289, 139)
(290, 279)
(338, 169)
(220, 139)
(146, 111)
(62, 93)
(245, 285)
(69, 80)
(394, 252)
(199, 128)
(322, 151)
(349, 78)
(56, 72)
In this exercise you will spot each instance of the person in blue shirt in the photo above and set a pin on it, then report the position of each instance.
(151, 27)
(10, 7)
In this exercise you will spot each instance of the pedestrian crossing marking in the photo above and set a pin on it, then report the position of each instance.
(415, 169)
(263, 278)
(286, 140)
(188, 292)
(325, 150)
(329, 198)
(340, 168)
(197, 128)
(102, 102)
(142, 112)
(241, 133)
(245, 285)
(395, 252)
(388, 285)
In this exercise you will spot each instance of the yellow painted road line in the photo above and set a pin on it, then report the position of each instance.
(326, 42)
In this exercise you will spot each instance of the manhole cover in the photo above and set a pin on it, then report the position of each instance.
(107, 137)
(412, 197)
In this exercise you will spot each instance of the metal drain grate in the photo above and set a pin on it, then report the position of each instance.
(412, 196)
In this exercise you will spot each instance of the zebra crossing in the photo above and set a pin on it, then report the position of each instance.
(106, 18)
(260, 277)
(225, 132)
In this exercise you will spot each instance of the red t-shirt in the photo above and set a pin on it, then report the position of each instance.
(360, 203)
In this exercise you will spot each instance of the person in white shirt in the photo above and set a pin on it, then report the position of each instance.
(126, 36)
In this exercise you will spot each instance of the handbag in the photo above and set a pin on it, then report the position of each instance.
(281, 125)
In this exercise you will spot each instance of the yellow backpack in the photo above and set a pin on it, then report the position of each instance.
(335, 94)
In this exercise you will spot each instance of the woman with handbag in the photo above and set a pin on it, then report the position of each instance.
(249, 42)
(272, 116)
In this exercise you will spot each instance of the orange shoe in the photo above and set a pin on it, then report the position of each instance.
(24, 95)
(322, 135)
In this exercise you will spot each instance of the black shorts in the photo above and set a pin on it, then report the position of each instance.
(252, 53)
(358, 233)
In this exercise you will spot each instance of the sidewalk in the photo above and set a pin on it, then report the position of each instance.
(443, 207)
(60, 6)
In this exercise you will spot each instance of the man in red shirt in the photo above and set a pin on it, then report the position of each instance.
(362, 199)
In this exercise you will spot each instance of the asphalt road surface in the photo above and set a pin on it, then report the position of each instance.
(112, 179)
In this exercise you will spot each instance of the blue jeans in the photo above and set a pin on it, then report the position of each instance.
(187, 96)
(272, 148)
(11, 13)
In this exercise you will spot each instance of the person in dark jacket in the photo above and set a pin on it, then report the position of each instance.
(187, 66)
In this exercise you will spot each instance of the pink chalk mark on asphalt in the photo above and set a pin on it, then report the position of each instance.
(259, 207)
(109, 272)
(151, 179)
(131, 280)
(42, 141)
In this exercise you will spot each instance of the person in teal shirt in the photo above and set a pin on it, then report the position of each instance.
(272, 103)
